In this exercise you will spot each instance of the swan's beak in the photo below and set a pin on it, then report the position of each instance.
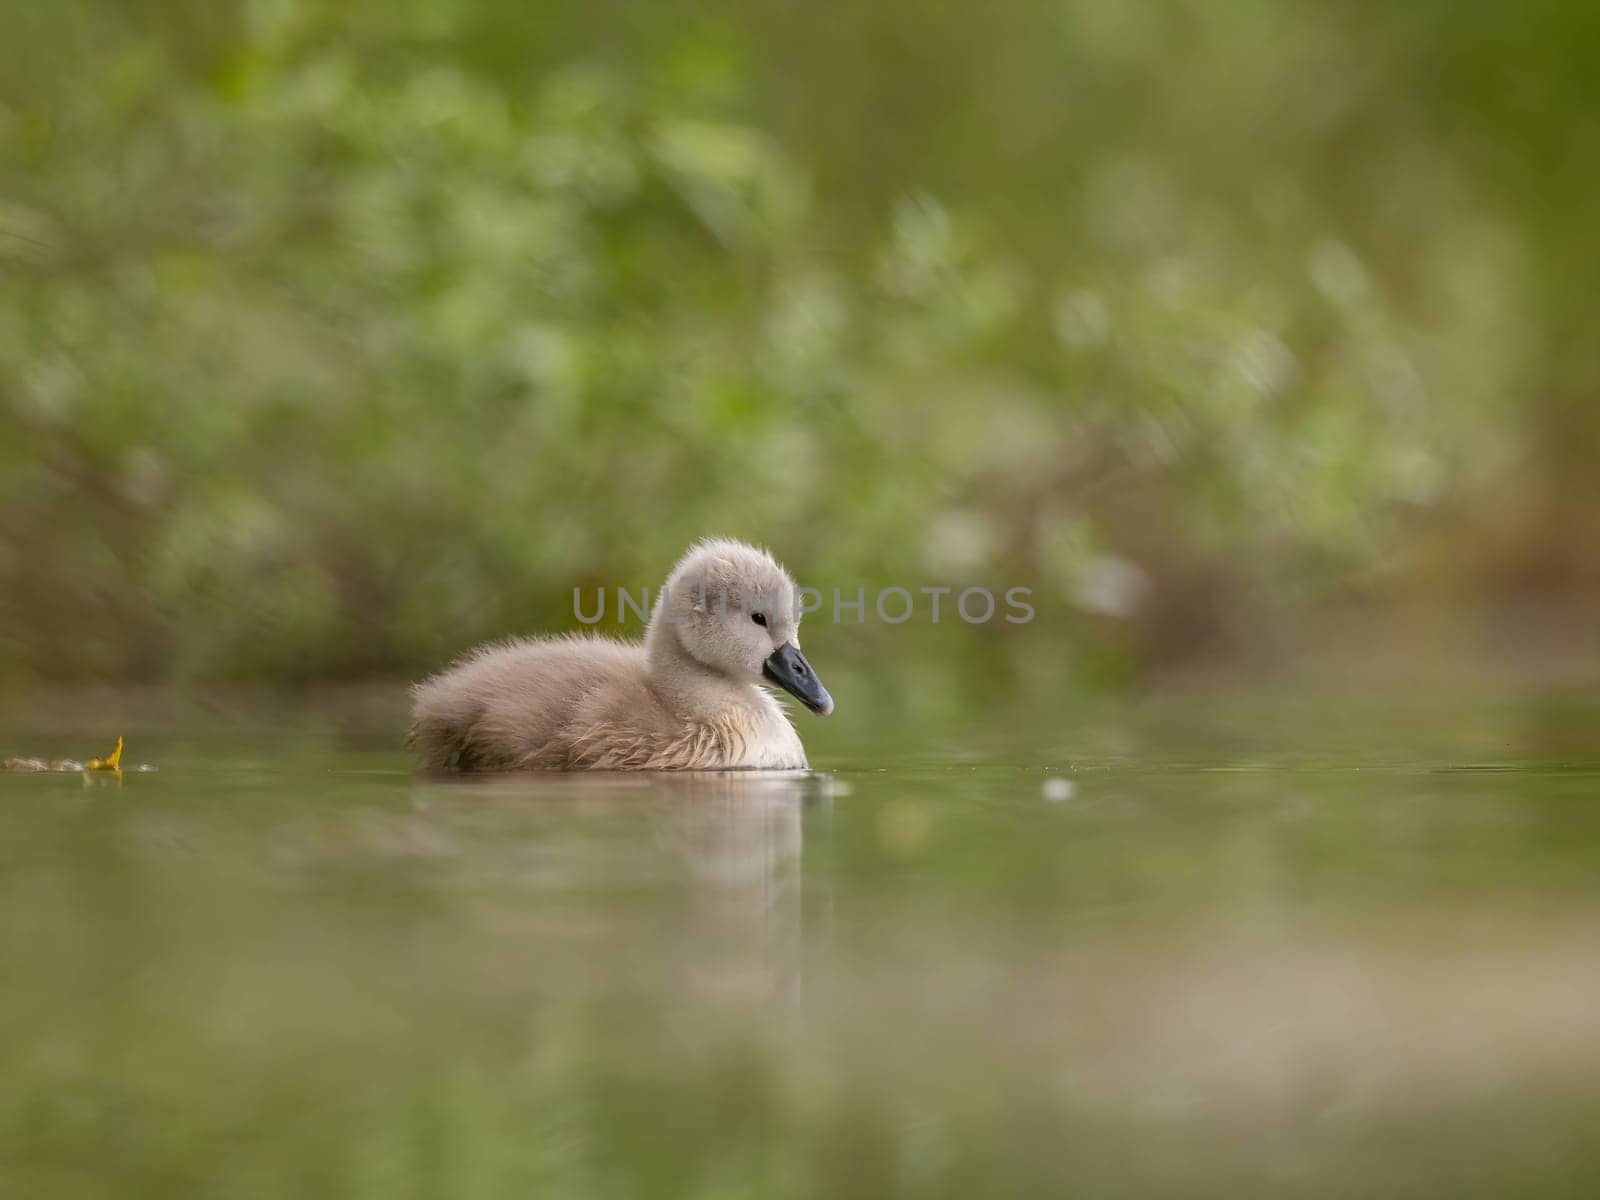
(788, 668)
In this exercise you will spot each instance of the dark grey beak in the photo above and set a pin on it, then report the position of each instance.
(788, 668)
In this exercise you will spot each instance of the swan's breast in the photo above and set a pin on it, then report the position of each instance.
(770, 742)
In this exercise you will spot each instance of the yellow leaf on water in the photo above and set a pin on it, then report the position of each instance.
(109, 763)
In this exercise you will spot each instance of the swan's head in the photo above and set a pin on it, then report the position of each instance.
(732, 608)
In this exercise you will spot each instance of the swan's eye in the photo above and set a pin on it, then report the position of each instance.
(760, 619)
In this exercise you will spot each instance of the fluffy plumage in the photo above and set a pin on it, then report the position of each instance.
(689, 698)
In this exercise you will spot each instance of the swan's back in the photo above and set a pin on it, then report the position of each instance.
(507, 704)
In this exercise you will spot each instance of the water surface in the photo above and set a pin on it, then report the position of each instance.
(1211, 946)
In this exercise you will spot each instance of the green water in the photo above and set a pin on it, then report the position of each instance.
(1199, 947)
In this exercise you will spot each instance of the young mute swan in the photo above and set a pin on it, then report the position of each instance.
(690, 698)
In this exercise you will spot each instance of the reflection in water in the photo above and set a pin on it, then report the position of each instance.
(741, 839)
(723, 847)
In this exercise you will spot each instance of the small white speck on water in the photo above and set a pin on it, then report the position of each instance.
(1058, 790)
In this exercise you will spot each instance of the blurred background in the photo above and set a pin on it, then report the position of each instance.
(1258, 338)
(336, 338)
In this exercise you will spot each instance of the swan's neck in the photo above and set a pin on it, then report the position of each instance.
(688, 687)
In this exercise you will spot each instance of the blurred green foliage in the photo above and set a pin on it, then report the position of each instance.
(334, 338)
